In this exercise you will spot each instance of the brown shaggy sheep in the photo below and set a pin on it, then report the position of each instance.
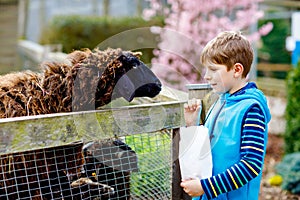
(87, 80)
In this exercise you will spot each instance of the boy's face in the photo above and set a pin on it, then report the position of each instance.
(220, 79)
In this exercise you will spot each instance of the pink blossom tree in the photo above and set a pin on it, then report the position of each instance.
(189, 25)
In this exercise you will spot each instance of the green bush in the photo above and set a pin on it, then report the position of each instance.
(272, 48)
(292, 115)
(78, 32)
(289, 169)
(154, 161)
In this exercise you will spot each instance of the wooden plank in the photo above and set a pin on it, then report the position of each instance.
(285, 3)
(273, 67)
(8, 68)
(8, 60)
(24, 133)
(11, 51)
(8, 12)
(8, 24)
(8, 15)
(272, 86)
(8, 2)
(8, 45)
(8, 34)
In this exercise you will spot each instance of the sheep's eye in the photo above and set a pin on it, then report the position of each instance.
(135, 65)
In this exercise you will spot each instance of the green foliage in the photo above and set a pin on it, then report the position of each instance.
(289, 169)
(292, 115)
(154, 161)
(273, 44)
(78, 32)
(272, 49)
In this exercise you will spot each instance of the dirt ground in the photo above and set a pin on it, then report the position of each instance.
(273, 156)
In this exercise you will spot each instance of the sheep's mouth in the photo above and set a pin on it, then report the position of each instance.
(128, 90)
(151, 89)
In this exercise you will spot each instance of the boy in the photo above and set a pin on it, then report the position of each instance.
(237, 122)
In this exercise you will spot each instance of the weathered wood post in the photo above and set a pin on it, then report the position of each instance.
(202, 91)
(198, 91)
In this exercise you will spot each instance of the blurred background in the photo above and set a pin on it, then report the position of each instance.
(32, 31)
(47, 22)
(30, 19)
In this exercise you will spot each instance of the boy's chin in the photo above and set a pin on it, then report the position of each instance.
(218, 91)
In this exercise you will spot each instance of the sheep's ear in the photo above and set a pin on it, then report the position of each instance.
(119, 61)
(122, 57)
(137, 54)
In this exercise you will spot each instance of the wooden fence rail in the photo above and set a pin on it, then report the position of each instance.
(267, 67)
(269, 85)
(23, 133)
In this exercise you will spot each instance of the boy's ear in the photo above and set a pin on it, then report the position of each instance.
(238, 70)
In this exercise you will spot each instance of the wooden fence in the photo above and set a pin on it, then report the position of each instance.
(267, 67)
(157, 123)
(270, 85)
(8, 35)
(23, 133)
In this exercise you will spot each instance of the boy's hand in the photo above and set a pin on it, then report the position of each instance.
(192, 111)
(192, 187)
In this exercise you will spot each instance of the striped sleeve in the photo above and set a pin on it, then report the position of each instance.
(252, 157)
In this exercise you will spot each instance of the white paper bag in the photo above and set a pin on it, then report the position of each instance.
(195, 153)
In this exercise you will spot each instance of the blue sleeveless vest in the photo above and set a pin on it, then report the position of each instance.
(225, 125)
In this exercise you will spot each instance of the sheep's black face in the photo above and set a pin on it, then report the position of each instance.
(110, 162)
(138, 81)
(106, 75)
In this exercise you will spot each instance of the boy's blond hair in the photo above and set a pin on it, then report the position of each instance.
(228, 48)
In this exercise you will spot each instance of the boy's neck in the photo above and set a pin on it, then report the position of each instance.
(242, 83)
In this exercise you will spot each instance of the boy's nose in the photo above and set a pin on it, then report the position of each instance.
(207, 76)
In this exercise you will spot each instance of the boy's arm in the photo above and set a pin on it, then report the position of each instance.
(252, 157)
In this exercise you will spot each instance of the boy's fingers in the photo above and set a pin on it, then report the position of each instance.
(199, 107)
(186, 106)
(195, 103)
(192, 104)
